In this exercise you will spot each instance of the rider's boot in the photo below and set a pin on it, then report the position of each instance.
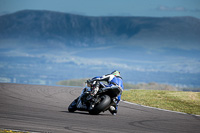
(113, 110)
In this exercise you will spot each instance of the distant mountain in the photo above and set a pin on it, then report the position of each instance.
(44, 47)
(48, 26)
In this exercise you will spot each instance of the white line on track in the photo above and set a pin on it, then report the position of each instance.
(158, 108)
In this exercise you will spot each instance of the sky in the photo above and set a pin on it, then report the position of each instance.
(148, 8)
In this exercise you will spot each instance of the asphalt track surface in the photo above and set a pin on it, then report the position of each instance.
(38, 108)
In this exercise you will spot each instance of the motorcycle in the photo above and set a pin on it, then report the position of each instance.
(104, 98)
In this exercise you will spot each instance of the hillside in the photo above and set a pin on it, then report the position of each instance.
(48, 26)
(149, 86)
(44, 47)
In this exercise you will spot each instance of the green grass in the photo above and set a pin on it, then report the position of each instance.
(73, 82)
(10, 131)
(187, 102)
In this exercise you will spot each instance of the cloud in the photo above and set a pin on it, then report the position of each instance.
(166, 8)
(178, 9)
(169, 63)
(175, 64)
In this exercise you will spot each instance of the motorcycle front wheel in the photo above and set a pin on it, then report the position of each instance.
(72, 106)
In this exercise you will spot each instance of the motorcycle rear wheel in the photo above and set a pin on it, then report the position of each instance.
(102, 106)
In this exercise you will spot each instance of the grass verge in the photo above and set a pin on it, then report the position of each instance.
(187, 102)
(11, 131)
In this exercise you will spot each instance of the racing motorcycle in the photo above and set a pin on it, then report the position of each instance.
(104, 98)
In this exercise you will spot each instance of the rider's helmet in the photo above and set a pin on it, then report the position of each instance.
(116, 73)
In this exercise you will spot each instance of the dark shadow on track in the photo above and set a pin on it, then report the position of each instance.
(84, 113)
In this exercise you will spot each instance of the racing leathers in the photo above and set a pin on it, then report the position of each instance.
(112, 81)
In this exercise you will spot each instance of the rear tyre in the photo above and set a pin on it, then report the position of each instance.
(72, 106)
(102, 106)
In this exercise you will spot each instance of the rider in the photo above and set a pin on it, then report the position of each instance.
(113, 80)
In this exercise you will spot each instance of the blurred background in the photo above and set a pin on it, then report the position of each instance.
(148, 41)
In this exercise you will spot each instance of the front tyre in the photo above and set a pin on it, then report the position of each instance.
(72, 106)
(102, 106)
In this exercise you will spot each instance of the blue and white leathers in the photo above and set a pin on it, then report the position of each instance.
(113, 81)
(117, 80)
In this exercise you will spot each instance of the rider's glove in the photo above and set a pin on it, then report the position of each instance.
(89, 81)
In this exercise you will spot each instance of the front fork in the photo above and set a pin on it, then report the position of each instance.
(94, 101)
